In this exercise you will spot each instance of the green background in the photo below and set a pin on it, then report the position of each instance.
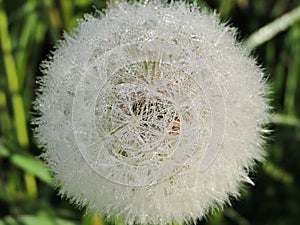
(29, 30)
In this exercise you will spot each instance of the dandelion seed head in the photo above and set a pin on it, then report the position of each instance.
(151, 113)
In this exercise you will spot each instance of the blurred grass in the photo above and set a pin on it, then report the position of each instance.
(28, 31)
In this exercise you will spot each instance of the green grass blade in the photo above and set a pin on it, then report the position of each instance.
(272, 29)
(32, 165)
(9, 62)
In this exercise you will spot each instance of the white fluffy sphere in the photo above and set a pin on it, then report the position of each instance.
(151, 112)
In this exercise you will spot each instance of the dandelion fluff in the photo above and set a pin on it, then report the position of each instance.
(151, 113)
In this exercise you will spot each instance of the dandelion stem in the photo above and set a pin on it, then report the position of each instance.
(272, 29)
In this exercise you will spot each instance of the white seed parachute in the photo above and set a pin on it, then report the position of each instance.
(151, 112)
